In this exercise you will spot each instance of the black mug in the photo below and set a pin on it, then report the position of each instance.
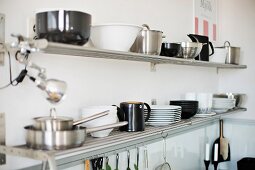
(133, 113)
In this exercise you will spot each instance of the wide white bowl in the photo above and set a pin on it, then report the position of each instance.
(119, 37)
(105, 120)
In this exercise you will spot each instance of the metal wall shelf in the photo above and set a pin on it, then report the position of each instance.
(116, 142)
(64, 49)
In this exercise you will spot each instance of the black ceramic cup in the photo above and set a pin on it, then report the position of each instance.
(133, 113)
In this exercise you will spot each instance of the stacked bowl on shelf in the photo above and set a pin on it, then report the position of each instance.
(189, 107)
(162, 115)
(221, 105)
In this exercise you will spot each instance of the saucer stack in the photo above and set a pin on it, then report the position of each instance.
(162, 115)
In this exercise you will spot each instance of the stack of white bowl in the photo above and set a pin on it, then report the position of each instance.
(105, 120)
(221, 105)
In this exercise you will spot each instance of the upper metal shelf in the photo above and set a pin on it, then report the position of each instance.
(115, 143)
(64, 49)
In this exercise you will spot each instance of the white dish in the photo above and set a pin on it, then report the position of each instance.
(220, 110)
(164, 107)
(205, 115)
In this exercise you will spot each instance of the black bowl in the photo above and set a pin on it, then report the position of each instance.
(63, 26)
(170, 49)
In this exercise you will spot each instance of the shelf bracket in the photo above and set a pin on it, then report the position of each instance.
(2, 137)
(153, 67)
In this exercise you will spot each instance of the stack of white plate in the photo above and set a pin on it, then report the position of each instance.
(162, 115)
(220, 105)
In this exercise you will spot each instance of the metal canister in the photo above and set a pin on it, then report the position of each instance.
(148, 41)
(232, 53)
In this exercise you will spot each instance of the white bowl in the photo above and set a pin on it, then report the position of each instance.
(105, 120)
(119, 37)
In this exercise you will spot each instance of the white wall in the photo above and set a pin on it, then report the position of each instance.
(237, 23)
(104, 82)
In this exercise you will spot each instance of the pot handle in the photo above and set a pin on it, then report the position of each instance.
(53, 113)
(99, 128)
(210, 44)
(226, 44)
(149, 112)
(120, 113)
(86, 119)
(145, 27)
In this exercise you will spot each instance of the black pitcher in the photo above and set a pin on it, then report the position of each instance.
(133, 112)
(204, 54)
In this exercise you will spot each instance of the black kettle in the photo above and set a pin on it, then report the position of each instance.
(204, 54)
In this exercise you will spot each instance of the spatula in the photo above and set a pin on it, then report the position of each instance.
(223, 143)
(224, 148)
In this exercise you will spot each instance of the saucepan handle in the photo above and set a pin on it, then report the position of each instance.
(86, 119)
(99, 128)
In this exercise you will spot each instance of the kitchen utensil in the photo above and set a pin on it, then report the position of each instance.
(64, 26)
(114, 36)
(137, 158)
(190, 49)
(107, 166)
(117, 162)
(170, 49)
(231, 54)
(57, 123)
(240, 97)
(108, 119)
(148, 41)
(146, 161)
(49, 140)
(165, 165)
(204, 54)
(128, 160)
(224, 148)
(97, 163)
(133, 113)
(87, 165)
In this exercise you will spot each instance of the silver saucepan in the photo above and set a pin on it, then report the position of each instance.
(58, 140)
(60, 123)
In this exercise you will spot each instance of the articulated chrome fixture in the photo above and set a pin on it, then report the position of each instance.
(54, 89)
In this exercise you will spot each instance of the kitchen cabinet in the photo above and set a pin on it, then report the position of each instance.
(115, 143)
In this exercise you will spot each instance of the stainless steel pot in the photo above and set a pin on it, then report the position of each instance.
(58, 140)
(148, 41)
(232, 54)
(57, 123)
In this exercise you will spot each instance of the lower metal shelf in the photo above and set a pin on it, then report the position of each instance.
(116, 142)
